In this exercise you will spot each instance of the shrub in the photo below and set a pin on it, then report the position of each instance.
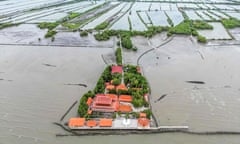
(119, 56)
(116, 81)
(83, 107)
(201, 39)
(50, 33)
(102, 36)
(83, 33)
(148, 113)
(126, 42)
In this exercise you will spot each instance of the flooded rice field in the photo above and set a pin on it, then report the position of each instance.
(218, 32)
(125, 16)
(30, 34)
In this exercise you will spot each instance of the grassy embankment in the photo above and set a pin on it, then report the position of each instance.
(5, 25)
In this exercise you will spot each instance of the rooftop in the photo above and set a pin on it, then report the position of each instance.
(116, 69)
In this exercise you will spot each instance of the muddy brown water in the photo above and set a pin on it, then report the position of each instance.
(33, 94)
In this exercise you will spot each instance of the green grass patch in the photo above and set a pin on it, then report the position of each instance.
(71, 26)
(48, 25)
(201, 25)
(182, 28)
(231, 23)
(50, 33)
(73, 15)
(102, 26)
(5, 25)
(119, 56)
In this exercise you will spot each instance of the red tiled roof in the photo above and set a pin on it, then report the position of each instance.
(112, 96)
(116, 69)
(99, 95)
(103, 100)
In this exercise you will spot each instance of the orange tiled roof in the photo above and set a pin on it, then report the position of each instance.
(143, 122)
(89, 112)
(121, 87)
(142, 115)
(105, 122)
(125, 108)
(91, 123)
(89, 101)
(125, 98)
(76, 122)
(110, 87)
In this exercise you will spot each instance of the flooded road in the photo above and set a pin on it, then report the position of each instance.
(34, 92)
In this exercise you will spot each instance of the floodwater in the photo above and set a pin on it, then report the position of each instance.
(34, 92)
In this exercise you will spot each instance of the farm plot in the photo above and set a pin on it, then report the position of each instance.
(173, 6)
(121, 24)
(155, 7)
(50, 18)
(187, 5)
(47, 12)
(214, 17)
(210, 6)
(236, 7)
(203, 15)
(105, 17)
(218, 32)
(192, 15)
(202, 6)
(221, 15)
(234, 14)
(136, 22)
(164, 6)
(158, 18)
(140, 6)
(26, 5)
(145, 18)
(175, 16)
(89, 7)
(224, 7)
